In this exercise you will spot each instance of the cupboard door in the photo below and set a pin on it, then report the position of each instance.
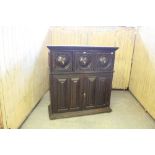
(60, 94)
(67, 93)
(89, 92)
(75, 93)
(103, 91)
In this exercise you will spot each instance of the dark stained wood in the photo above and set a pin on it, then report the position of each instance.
(105, 61)
(84, 61)
(62, 94)
(103, 91)
(75, 85)
(77, 113)
(106, 49)
(62, 61)
(90, 84)
(80, 80)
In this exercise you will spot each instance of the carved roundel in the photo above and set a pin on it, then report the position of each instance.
(84, 61)
(62, 60)
(104, 61)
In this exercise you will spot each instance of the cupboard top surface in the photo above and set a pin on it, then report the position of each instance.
(82, 48)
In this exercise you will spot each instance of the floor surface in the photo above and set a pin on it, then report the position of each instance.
(126, 113)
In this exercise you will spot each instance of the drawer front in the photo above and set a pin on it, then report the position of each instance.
(104, 61)
(84, 61)
(62, 61)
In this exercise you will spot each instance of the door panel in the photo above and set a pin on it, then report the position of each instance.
(60, 94)
(89, 90)
(66, 93)
(103, 91)
(75, 93)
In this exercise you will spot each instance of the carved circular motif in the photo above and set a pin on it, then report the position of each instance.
(103, 61)
(84, 61)
(62, 60)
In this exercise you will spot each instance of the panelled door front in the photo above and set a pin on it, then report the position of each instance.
(103, 91)
(75, 89)
(67, 93)
(79, 93)
(60, 94)
(89, 92)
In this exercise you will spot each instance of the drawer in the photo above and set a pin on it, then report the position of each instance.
(84, 61)
(104, 61)
(81, 61)
(62, 61)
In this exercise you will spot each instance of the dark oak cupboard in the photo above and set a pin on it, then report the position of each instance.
(80, 80)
